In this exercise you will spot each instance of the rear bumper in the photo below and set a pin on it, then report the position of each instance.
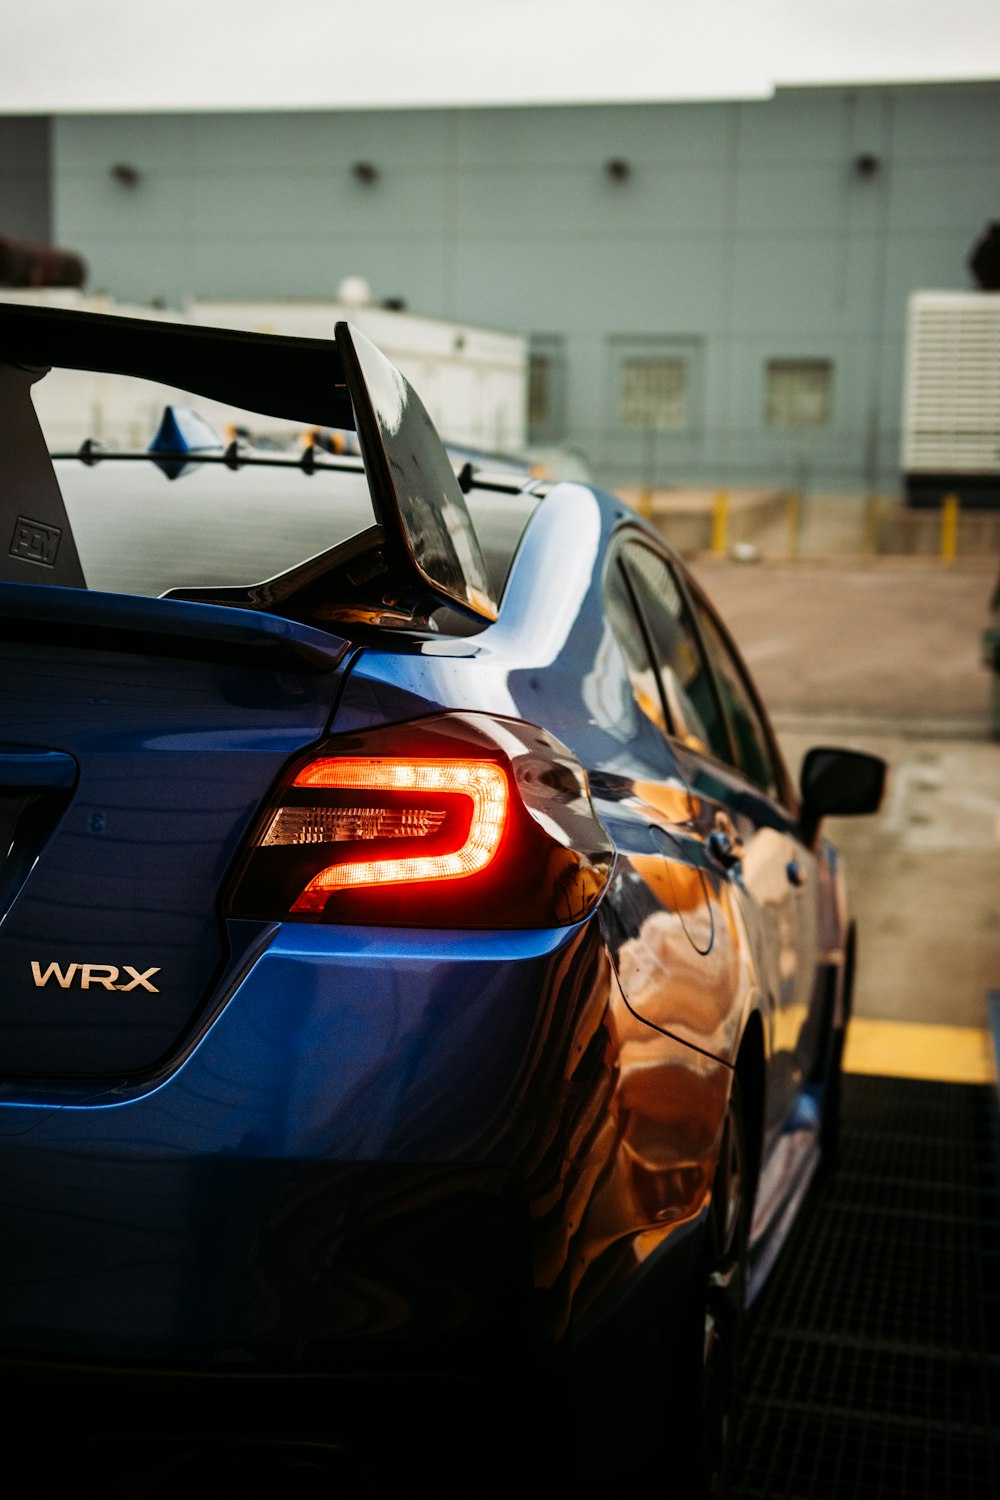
(335, 1179)
(135, 1430)
(368, 1429)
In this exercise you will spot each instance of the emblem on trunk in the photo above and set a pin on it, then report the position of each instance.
(88, 976)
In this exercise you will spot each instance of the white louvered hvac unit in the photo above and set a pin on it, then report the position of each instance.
(951, 398)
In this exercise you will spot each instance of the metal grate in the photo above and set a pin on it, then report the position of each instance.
(872, 1356)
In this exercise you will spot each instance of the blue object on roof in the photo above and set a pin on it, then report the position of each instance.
(182, 430)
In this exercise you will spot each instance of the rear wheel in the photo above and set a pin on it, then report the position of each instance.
(666, 1423)
(725, 1303)
(704, 1363)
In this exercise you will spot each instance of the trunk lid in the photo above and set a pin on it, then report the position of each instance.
(138, 738)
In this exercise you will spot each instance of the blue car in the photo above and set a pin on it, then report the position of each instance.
(423, 986)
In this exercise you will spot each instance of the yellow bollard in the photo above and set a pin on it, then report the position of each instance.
(720, 523)
(794, 517)
(644, 504)
(949, 528)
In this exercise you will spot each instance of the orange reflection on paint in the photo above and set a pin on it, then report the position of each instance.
(670, 1105)
(674, 803)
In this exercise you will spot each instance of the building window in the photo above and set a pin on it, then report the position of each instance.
(691, 700)
(799, 392)
(539, 390)
(654, 392)
(546, 388)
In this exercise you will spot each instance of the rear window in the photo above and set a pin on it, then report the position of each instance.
(139, 532)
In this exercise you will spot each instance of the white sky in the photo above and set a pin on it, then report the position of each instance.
(138, 55)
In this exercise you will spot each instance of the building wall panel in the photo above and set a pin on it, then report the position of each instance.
(747, 226)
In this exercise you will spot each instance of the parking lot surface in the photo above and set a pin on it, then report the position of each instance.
(891, 640)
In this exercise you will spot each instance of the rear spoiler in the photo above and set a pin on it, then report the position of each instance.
(428, 551)
(298, 379)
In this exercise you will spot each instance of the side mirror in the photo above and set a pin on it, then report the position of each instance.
(838, 783)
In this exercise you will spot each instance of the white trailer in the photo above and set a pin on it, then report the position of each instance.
(951, 398)
(473, 381)
(74, 405)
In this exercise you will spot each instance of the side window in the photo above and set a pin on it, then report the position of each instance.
(546, 388)
(753, 755)
(622, 619)
(799, 393)
(692, 705)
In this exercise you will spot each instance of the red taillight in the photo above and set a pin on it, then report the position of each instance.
(471, 822)
(483, 785)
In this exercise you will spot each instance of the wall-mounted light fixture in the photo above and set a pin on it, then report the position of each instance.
(618, 169)
(867, 164)
(354, 291)
(125, 174)
(365, 171)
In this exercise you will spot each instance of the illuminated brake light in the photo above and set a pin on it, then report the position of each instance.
(481, 782)
(456, 820)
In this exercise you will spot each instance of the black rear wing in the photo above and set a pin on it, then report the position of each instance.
(428, 549)
(298, 379)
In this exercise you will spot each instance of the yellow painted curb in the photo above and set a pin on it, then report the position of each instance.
(908, 1049)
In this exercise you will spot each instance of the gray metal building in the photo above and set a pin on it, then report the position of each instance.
(716, 293)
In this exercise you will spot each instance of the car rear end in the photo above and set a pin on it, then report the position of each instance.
(265, 1171)
(279, 977)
